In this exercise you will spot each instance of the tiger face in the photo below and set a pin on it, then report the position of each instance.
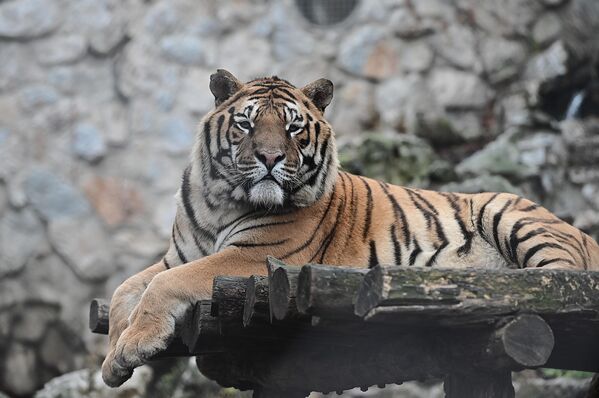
(267, 142)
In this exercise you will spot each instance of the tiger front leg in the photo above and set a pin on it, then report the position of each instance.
(164, 304)
(123, 302)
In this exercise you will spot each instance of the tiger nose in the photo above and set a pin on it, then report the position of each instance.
(270, 158)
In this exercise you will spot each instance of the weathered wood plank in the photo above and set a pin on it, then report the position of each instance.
(326, 291)
(255, 306)
(282, 289)
(98, 316)
(462, 296)
(228, 296)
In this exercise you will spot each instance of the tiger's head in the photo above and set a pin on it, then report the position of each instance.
(266, 143)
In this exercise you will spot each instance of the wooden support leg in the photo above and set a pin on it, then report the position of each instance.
(263, 392)
(480, 384)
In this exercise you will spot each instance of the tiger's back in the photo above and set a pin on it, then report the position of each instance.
(365, 222)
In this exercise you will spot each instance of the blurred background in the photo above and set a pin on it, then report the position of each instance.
(99, 102)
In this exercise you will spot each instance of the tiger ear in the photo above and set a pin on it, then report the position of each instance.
(223, 85)
(320, 93)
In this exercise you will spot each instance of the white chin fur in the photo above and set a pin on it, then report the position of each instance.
(267, 194)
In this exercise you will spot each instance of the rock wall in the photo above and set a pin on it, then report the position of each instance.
(99, 100)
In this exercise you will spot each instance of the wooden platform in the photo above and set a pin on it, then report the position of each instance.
(319, 328)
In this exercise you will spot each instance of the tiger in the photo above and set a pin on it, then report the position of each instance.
(264, 179)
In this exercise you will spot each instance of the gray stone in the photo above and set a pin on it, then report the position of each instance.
(406, 104)
(84, 245)
(28, 18)
(507, 18)
(498, 157)
(31, 98)
(3, 199)
(484, 183)
(13, 153)
(88, 142)
(407, 25)
(467, 125)
(415, 56)
(258, 49)
(456, 89)
(354, 108)
(590, 191)
(289, 42)
(53, 197)
(21, 239)
(184, 49)
(457, 45)
(17, 377)
(546, 29)
(178, 135)
(502, 59)
(29, 325)
(549, 64)
(368, 52)
(61, 49)
(56, 342)
(88, 383)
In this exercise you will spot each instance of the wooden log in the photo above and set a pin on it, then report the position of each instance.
(328, 291)
(98, 316)
(479, 384)
(255, 306)
(463, 296)
(282, 289)
(228, 296)
(525, 341)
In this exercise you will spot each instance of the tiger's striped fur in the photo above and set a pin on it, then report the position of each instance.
(263, 180)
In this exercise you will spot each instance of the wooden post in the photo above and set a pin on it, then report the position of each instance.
(228, 295)
(98, 316)
(255, 306)
(328, 291)
(282, 289)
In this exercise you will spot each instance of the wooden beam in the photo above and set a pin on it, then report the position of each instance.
(228, 295)
(282, 282)
(255, 306)
(328, 291)
(98, 316)
(465, 296)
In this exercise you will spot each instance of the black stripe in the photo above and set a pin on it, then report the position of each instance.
(533, 250)
(368, 220)
(496, 220)
(553, 260)
(479, 221)
(331, 235)
(398, 211)
(373, 259)
(185, 196)
(179, 231)
(313, 234)
(269, 224)
(431, 260)
(396, 246)
(417, 250)
(466, 234)
(166, 264)
(179, 251)
(532, 207)
(353, 204)
(261, 244)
